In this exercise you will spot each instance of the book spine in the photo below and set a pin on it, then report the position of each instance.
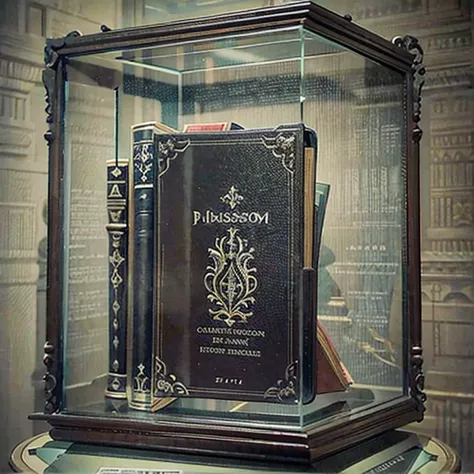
(143, 281)
(117, 229)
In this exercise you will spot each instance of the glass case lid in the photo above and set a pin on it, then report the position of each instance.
(230, 26)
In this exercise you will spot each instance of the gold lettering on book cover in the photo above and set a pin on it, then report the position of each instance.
(230, 279)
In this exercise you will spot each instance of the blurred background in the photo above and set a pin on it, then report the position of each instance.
(445, 30)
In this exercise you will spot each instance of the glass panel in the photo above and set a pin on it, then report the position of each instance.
(257, 81)
(89, 142)
(355, 107)
(251, 80)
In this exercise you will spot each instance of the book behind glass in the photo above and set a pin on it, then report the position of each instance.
(332, 375)
(117, 230)
(223, 265)
(142, 174)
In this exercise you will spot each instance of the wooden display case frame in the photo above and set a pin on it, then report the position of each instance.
(403, 55)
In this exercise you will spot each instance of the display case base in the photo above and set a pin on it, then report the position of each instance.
(282, 444)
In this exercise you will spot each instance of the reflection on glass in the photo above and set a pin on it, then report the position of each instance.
(353, 103)
(90, 142)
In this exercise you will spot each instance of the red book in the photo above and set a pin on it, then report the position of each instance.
(211, 127)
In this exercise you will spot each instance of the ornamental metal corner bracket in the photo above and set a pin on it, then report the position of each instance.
(51, 60)
(411, 44)
(53, 45)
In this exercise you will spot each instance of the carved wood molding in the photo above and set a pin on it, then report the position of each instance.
(53, 45)
(18, 70)
(452, 77)
(412, 45)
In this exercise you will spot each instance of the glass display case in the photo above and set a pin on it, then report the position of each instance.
(234, 234)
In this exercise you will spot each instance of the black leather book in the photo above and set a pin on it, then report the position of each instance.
(230, 277)
(117, 229)
(143, 278)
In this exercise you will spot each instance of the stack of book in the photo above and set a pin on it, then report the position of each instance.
(224, 229)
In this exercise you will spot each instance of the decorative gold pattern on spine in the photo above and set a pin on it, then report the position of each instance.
(115, 278)
(143, 160)
(141, 381)
(141, 389)
(117, 230)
